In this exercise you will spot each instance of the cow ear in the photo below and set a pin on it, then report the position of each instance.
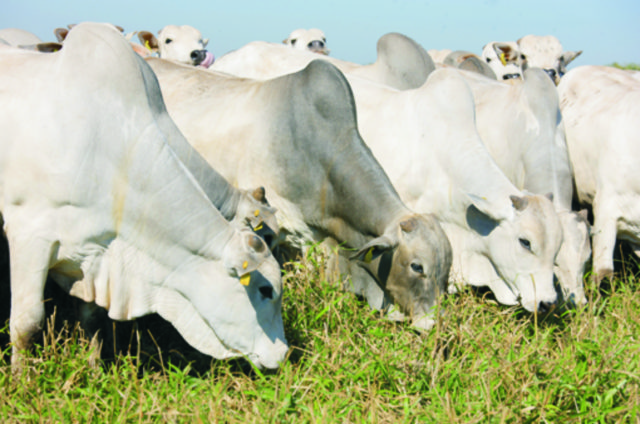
(61, 34)
(495, 212)
(519, 203)
(374, 249)
(259, 195)
(48, 47)
(148, 40)
(568, 57)
(246, 254)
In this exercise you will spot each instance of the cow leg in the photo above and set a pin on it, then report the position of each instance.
(603, 244)
(29, 263)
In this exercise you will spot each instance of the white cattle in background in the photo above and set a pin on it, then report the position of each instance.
(505, 59)
(546, 52)
(298, 136)
(400, 62)
(312, 39)
(96, 195)
(438, 56)
(18, 37)
(467, 61)
(601, 110)
(183, 44)
(522, 127)
(429, 147)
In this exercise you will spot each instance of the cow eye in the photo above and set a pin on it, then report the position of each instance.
(168, 41)
(417, 268)
(293, 42)
(522, 57)
(488, 59)
(525, 243)
(266, 291)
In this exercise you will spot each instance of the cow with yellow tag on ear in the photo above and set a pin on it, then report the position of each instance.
(505, 59)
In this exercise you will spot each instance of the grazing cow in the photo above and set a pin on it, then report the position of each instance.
(312, 39)
(298, 135)
(505, 59)
(546, 52)
(401, 62)
(600, 106)
(95, 194)
(183, 44)
(521, 126)
(501, 237)
(18, 37)
(491, 227)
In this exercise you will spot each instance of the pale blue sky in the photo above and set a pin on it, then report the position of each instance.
(606, 31)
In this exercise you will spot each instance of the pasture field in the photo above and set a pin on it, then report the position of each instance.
(481, 363)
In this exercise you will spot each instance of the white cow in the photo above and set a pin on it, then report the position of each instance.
(95, 195)
(601, 109)
(505, 59)
(401, 62)
(546, 52)
(467, 61)
(438, 56)
(183, 44)
(521, 125)
(312, 39)
(430, 148)
(18, 37)
(298, 135)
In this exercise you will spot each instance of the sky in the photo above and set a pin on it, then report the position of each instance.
(606, 31)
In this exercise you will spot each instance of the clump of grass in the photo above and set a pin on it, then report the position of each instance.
(481, 363)
(628, 66)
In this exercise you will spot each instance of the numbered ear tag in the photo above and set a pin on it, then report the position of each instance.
(146, 44)
(369, 255)
(503, 59)
(245, 264)
(256, 213)
(245, 279)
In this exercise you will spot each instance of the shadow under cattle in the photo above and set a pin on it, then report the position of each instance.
(152, 339)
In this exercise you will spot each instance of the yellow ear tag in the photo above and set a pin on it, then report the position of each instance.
(146, 44)
(245, 264)
(503, 59)
(369, 255)
(245, 279)
(256, 213)
(258, 227)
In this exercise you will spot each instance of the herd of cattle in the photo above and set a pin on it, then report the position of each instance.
(140, 183)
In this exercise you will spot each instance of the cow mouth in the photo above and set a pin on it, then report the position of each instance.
(208, 60)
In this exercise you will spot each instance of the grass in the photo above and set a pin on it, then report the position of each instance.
(481, 363)
(628, 66)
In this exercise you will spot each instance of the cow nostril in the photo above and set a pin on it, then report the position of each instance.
(545, 307)
(198, 56)
(510, 76)
(266, 291)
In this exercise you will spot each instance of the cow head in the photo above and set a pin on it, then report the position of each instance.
(575, 252)
(546, 52)
(505, 59)
(521, 242)
(312, 39)
(411, 264)
(231, 307)
(183, 44)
